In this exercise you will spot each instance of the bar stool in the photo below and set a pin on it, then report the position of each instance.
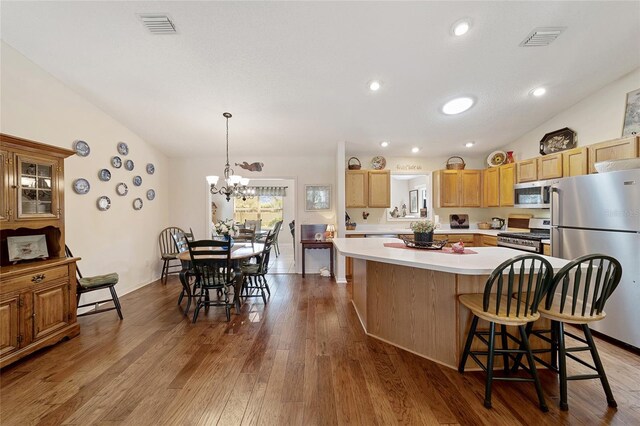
(575, 300)
(511, 297)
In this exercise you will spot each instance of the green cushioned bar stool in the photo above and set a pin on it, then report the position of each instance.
(98, 282)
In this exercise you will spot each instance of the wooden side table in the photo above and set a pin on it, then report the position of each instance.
(308, 241)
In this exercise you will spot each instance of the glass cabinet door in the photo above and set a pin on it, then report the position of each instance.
(36, 182)
(4, 185)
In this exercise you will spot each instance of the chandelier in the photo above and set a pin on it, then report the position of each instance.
(234, 185)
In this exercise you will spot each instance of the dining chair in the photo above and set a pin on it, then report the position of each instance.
(168, 252)
(256, 225)
(577, 296)
(245, 235)
(211, 263)
(511, 297)
(254, 274)
(276, 231)
(186, 274)
(292, 229)
(98, 282)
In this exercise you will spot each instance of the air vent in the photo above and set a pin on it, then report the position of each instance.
(542, 36)
(158, 24)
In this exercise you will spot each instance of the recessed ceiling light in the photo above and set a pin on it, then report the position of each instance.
(469, 144)
(415, 149)
(461, 27)
(457, 105)
(384, 144)
(538, 91)
(375, 85)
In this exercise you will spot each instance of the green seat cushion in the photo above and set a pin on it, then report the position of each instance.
(250, 268)
(98, 280)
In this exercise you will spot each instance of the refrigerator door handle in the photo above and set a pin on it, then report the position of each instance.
(555, 205)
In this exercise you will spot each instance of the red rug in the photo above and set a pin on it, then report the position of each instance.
(447, 250)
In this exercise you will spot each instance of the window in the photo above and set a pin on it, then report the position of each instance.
(269, 208)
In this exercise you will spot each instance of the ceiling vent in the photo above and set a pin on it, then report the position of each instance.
(158, 23)
(542, 36)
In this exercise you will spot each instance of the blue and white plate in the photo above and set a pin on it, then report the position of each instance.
(81, 186)
(151, 169)
(122, 189)
(81, 148)
(151, 194)
(104, 175)
(103, 203)
(137, 180)
(137, 204)
(116, 162)
(129, 165)
(123, 148)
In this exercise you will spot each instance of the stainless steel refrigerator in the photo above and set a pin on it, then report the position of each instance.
(600, 213)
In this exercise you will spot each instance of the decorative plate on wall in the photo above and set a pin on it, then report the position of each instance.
(378, 162)
(104, 175)
(116, 162)
(81, 148)
(122, 189)
(151, 194)
(104, 203)
(151, 168)
(496, 158)
(137, 180)
(123, 148)
(81, 186)
(129, 165)
(137, 204)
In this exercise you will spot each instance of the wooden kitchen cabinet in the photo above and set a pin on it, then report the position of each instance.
(491, 185)
(575, 162)
(458, 188)
(356, 188)
(507, 180)
(379, 188)
(527, 170)
(550, 166)
(489, 241)
(616, 149)
(37, 298)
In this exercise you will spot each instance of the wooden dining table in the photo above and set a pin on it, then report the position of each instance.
(239, 252)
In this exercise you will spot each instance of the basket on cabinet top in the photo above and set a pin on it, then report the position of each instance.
(455, 165)
(354, 165)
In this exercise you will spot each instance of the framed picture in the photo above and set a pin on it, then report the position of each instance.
(27, 247)
(317, 197)
(413, 201)
(631, 126)
(557, 141)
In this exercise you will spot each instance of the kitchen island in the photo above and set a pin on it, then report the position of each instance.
(408, 297)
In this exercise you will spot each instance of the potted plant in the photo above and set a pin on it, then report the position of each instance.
(226, 229)
(422, 230)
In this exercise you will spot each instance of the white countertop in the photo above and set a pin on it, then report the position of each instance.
(392, 230)
(484, 262)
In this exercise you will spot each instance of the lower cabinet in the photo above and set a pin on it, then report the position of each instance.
(489, 241)
(9, 325)
(50, 309)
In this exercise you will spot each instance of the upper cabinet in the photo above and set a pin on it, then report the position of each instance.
(368, 188)
(507, 180)
(492, 187)
(527, 170)
(36, 187)
(574, 162)
(616, 149)
(5, 166)
(457, 188)
(550, 166)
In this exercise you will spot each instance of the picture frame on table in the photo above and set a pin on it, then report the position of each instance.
(631, 124)
(413, 201)
(317, 197)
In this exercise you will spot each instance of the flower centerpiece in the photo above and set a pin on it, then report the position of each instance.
(225, 228)
(422, 230)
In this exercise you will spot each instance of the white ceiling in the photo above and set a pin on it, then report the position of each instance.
(294, 74)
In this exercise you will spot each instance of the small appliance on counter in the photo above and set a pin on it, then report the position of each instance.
(497, 223)
(459, 221)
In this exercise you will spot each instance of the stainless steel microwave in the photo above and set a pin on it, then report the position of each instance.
(533, 195)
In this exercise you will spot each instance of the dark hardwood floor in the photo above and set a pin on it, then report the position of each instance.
(302, 359)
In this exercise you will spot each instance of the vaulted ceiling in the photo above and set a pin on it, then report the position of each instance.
(295, 74)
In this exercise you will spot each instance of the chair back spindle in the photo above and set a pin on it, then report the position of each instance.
(211, 262)
(165, 240)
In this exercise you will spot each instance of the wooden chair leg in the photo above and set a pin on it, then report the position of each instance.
(505, 346)
(266, 285)
(598, 363)
(532, 367)
(492, 342)
(165, 271)
(562, 364)
(116, 301)
(467, 345)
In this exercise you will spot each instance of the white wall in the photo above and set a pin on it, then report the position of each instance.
(189, 192)
(36, 106)
(596, 118)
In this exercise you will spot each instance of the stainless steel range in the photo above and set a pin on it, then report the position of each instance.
(540, 229)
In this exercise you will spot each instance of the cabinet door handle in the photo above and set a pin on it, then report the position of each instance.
(38, 278)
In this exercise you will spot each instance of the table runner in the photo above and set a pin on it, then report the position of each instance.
(446, 250)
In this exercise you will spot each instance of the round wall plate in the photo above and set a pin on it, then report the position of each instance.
(137, 204)
(122, 189)
(104, 203)
(81, 186)
(81, 148)
(123, 148)
(104, 175)
(496, 158)
(116, 162)
(151, 168)
(137, 180)
(151, 194)
(129, 165)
